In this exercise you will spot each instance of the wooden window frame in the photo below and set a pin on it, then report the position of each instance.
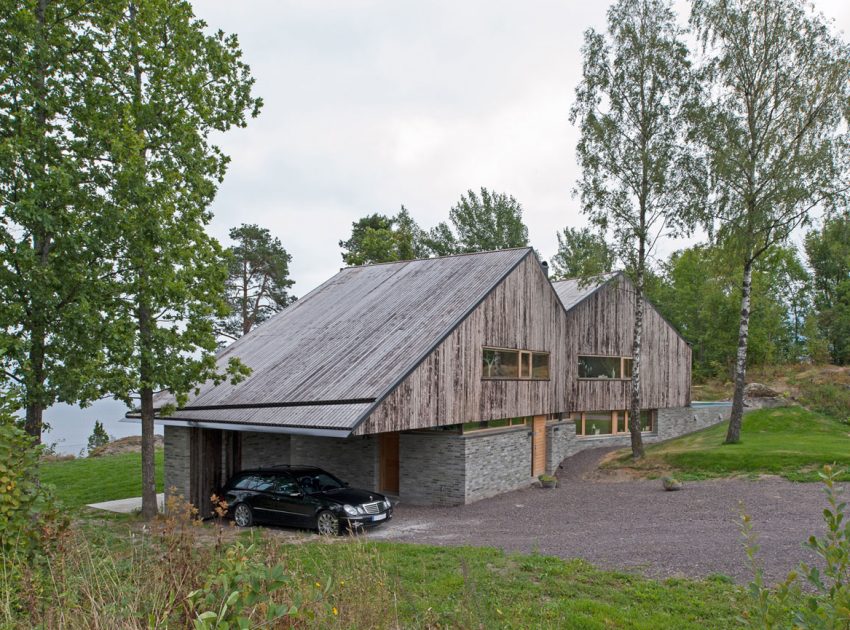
(508, 426)
(520, 354)
(607, 356)
(580, 420)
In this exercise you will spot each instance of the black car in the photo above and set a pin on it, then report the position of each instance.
(303, 496)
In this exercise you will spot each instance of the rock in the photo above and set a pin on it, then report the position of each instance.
(757, 390)
(132, 444)
(670, 484)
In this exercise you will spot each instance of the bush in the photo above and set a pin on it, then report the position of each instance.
(98, 437)
(826, 600)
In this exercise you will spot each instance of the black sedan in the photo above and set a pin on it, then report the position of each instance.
(302, 496)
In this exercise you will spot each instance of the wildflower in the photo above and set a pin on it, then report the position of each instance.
(336, 612)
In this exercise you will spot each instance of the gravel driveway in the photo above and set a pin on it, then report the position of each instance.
(632, 525)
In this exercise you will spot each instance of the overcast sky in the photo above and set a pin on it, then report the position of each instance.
(373, 104)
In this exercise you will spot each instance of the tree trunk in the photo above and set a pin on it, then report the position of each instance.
(733, 435)
(634, 403)
(149, 506)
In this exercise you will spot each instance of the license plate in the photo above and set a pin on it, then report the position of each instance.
(379, 517)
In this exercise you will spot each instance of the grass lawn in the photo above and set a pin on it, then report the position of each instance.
(95, 479)
(486, 588)
(789, 441)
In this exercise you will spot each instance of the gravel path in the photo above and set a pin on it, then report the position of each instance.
(631, 525)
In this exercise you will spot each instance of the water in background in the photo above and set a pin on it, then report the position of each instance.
(71, 426)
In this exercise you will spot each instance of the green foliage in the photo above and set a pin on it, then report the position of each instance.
(378, 238)
(54, 236)
(581, 253)
(29, 519)
(487, 222)
(826, 600)
(98, 436)
(828, 251)
(258, 280)
(698, 290)
(827, 393)
(242, 593)
(788, 441)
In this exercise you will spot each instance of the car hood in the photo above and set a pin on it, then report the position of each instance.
(351, 496)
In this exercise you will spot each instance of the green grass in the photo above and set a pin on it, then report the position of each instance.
(95, 479)
(789, 441)
(486, 588)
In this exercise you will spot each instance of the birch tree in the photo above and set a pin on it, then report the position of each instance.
(169, 86)
(638, 181)
(777, 84)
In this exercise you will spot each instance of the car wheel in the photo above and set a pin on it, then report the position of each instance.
(327, 524)
(243, 515)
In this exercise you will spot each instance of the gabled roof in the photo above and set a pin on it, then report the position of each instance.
(324, 362)
(573, 291)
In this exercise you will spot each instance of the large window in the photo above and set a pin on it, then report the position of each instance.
(604, 367)
(468, 427)
(590, 423)
(498, 363)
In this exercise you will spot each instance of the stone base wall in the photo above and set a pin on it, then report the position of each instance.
(497, 462)
(669, 423)
(176, 455)
(353, 459)
(432, 468)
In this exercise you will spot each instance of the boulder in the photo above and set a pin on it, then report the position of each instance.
(757, 390)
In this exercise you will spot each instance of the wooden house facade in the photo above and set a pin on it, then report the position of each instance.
(439, 381)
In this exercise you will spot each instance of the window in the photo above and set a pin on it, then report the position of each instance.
(493, 424)
(590, 423)
(604, 367)
(514, 364)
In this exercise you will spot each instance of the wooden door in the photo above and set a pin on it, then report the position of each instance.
(388, 458)
(205, 468)
(538, 446)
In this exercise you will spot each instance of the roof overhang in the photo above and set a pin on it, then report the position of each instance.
(252, 428)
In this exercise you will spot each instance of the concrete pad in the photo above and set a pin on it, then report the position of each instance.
(126, 506)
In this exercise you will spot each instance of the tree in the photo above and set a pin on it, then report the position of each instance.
(489, 222)
(52, 227)
(377, 238)
(699, 292)
(638, 180)
(167, 86)
(98, 436)
(828, 251)
(258, 280)
(582, 253)
(776, 86)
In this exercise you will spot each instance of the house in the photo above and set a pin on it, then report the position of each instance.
(439, 381)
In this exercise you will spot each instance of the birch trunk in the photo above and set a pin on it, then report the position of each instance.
(733, 435)
(149, 506)
(635, 403)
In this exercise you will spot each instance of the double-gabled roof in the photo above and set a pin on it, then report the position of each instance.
(573, 291)
(321, 365)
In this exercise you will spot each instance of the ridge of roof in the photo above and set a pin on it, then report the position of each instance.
(434, 258)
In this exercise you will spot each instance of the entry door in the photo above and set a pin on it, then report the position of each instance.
(204, 468)
(388, 457)
(538, 446)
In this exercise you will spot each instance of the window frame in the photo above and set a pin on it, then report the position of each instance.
(580, 420)
(622, 359)
(521, 353)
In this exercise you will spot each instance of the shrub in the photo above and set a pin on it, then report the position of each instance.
(826, 600)
(98, 437)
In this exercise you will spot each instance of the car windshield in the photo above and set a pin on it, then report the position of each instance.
(312, 483)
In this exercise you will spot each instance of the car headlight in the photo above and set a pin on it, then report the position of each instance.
(350, 510)
(387, 504)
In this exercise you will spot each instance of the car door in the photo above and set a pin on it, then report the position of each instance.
(288, 503)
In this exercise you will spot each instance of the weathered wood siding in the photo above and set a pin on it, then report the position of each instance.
(522, 312)
(602, 325)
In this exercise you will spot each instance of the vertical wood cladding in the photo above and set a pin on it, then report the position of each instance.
(602, 324)
(524, 312)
